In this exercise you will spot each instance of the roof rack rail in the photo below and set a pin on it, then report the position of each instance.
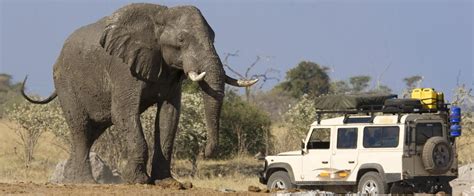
(371, 110)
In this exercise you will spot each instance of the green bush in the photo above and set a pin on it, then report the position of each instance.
(244, 128)
(191, 137)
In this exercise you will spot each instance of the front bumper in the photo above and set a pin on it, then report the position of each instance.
(262, 174)
(261, 177)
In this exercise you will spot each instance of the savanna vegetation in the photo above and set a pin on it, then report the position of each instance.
(34, 138)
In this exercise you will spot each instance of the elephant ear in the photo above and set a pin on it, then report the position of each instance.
(130, 35)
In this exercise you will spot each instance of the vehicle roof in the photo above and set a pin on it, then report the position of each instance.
(382, 119)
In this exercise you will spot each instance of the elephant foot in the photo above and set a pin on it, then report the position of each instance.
(78, 177)
(77, 174)
(136, 177)
(79, 180)
(171, 183)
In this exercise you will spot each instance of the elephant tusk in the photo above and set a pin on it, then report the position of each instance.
(239, 83)
(195, 77)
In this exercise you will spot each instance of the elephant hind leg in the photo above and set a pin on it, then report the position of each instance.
(78, 167)
(83, 134)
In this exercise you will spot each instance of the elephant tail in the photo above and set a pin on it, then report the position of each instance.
(47, 100)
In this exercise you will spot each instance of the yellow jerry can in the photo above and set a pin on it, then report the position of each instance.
(440, 100)
(416, 93)
(428, 96)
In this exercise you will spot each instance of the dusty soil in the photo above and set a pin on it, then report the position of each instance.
(53, 189)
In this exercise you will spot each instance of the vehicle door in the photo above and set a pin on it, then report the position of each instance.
(345, 154)
(317, 159)
(423, 131)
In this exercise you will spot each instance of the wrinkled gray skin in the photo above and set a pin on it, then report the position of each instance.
(110, 71)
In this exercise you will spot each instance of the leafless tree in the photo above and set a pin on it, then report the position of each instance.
(264, 77)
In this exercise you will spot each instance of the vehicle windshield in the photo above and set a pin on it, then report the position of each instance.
(320, 139)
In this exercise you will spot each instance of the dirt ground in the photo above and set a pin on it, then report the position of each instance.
(53, 189)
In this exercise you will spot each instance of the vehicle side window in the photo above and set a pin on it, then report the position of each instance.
(381, 137)
(424, 131)
(320, 139)
(347, 138)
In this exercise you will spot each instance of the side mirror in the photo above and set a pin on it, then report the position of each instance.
(302, 147)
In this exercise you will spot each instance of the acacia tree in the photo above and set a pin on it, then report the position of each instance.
(411, 83)
(359, 83)
(340, 87)
(381, 89)
(306, 78)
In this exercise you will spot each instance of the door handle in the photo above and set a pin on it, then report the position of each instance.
(351, 162)
(325, 162)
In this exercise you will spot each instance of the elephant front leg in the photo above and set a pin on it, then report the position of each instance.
(137, 150)
(166, 125)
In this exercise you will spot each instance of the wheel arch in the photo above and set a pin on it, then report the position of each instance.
(367, 167)
(274, 167)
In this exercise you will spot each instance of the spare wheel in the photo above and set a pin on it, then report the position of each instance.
(438, 155)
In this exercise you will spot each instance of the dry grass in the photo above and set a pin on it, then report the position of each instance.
(12, 167)
(236, 174)
(235, 182)
(284, 139)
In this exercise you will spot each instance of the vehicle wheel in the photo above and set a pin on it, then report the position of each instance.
(438, 155)
(279, 180)
(372, 183)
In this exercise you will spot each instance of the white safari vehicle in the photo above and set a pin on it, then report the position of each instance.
(389, 150)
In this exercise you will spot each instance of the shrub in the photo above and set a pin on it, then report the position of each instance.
(464, 143)
(244, 128)
(191, 137)
(31, 121)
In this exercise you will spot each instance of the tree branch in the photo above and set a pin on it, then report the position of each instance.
(226, 63)
(257, 59)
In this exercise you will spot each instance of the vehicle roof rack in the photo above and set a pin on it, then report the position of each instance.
(371, 110)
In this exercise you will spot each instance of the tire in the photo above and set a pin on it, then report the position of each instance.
(437, 156)
(371, 183)
(279, 180)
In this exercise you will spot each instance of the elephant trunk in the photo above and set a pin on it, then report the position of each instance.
(213, 93)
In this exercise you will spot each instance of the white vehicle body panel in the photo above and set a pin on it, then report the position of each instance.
(336, 164)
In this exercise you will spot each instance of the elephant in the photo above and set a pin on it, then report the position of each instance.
(111, 71)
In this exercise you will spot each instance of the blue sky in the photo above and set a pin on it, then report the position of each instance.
(384, 39)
